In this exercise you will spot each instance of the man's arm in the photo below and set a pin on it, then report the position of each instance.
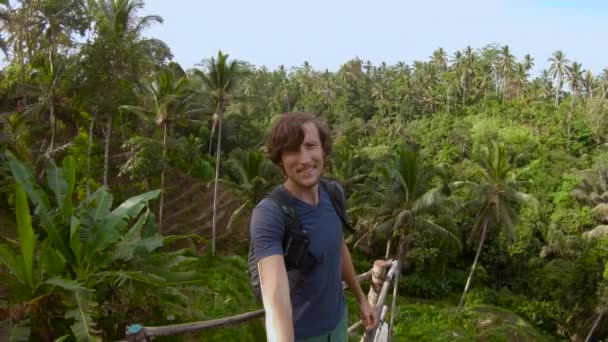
(275, 295)
(368, 314)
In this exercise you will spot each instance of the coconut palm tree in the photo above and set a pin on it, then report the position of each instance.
(251, 176)
(170, 103)
(409, 201)
(219, 80)
(520, 79)
(47, 75)
(574, 74)
(593, 191)
(496, 199)
(506, 63)
(467, 70)
(589, 83)
(558, 70)
(602, 81)
(124, 53)
(528, 62)
(409, 198)
(440, 59)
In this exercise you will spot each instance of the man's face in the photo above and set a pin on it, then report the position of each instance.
(303, 167)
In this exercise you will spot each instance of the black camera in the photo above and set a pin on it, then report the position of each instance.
(297, 255)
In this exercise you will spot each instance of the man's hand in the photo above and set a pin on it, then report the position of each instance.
(369, 317)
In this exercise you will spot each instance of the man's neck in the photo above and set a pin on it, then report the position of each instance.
(308, 195)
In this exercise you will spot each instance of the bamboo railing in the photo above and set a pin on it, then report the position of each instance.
(381, 274)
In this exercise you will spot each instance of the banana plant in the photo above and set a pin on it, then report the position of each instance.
(68, 252)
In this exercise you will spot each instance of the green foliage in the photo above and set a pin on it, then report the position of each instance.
(478, 296)
(550, 127)
(435, 323)
(91, 256)
(252, 177)
(145, 161)
(420, 286)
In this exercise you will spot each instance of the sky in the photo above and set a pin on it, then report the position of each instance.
(327, 33)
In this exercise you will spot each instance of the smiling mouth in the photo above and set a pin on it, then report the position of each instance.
(307, 170)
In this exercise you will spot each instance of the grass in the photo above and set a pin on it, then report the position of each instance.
(436, 322)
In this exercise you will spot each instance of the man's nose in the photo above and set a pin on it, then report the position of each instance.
(304, 156)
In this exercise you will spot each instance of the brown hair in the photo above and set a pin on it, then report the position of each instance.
(287, 135)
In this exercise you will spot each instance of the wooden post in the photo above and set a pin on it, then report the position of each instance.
(378, 278)
(382, 333)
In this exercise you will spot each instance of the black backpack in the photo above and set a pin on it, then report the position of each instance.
(298, 260)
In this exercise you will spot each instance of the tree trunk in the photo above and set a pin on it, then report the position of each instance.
(568, 127)
(89, 146)
(388, 247)
(106, 161)
(162, 180)
(557, 94)
(213, 127)
(217, 175)
(604, 95)
(466, 287)
(595, 325)
(53, 127)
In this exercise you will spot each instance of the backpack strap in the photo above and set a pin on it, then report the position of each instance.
(280, 196)
(303, 260)
(337, 200)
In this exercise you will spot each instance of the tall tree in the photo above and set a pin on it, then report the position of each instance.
(558, 70)
(47, 76)
(528, 62)
(220, 79)
(496, 199)
(117, 59)
(574, 74)
(466, 67)
(589, 84)
(169, 101)
(506, 66)
(440, 59)
(409, 199)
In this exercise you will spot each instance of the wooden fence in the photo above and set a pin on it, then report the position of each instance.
(382, 274)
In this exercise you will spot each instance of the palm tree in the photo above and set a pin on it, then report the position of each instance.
(409, 199)
(574, 74)
(170, 101)
(520, 78)
(118, 31)
(219, 80)
(467, 70)
(47, 75)
(348, 168)
(557, 70)
(575, 78)
(593, 191)
(440, 59)
(588, 84)
(251, 176)
(603, 83)
(496, 199)
(506, 65)
(528, 62)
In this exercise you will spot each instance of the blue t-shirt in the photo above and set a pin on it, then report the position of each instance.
(318, 303)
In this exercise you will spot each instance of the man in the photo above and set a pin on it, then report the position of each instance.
(316, 311)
